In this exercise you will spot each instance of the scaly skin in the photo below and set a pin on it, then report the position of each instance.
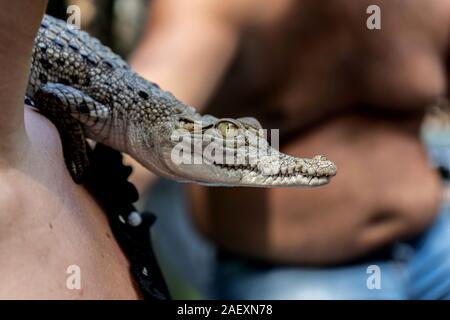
(87, 91)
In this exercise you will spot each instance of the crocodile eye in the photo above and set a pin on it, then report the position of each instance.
(228, 129)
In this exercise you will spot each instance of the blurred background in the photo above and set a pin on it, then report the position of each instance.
(313, 70)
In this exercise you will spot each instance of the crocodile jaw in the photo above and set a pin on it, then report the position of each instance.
(265, 173)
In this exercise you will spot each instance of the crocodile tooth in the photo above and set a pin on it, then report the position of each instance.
(252, 174)
(323, 180)
(314, 181)
(269, 180)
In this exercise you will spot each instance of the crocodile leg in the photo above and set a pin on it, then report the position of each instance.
(65, 107)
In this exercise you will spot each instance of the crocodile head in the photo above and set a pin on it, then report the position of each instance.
(226, 152)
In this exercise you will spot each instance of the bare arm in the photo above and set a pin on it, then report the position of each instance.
(186, 47)
(15, 54)
(46, 221)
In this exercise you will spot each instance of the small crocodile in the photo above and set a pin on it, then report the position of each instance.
(89, 92)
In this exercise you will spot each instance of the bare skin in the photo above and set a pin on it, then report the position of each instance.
(47, 222)
(356, 95)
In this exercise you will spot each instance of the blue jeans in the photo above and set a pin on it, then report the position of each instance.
(418, 269)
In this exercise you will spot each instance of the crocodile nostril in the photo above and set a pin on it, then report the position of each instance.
(330, 169)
